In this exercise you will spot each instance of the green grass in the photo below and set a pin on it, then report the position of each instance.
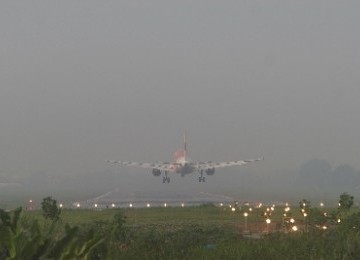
(206, 215)
(206, 232)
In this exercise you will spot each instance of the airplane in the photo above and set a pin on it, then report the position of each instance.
(183, 165)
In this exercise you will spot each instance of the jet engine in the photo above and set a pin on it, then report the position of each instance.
(156, 172)
(210, 171)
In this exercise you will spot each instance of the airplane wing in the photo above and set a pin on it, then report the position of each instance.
(163, 166)
(212, 165)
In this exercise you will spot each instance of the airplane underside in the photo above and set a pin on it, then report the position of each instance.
(166, 178)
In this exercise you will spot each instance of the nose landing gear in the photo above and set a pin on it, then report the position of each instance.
(201, 177)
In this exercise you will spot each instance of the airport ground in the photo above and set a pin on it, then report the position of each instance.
(209, 232)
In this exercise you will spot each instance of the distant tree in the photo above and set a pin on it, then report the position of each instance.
(345, 176)
(50, 208)
(345, 202)
(314, 173)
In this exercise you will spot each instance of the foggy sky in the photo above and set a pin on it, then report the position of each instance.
(86, 81)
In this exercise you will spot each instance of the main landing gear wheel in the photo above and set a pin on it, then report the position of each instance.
(166, 178)
(201, 177)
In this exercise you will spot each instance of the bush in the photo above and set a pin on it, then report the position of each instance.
(50, 209)
(18, 242)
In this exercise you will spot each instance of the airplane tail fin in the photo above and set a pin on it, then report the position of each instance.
(185, 146)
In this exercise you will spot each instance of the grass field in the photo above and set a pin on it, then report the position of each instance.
(205, 232)
(205, 215)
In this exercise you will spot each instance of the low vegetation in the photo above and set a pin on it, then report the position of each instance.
(203, 232)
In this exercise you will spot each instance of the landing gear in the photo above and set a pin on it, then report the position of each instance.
(201, 178)
(166, 178)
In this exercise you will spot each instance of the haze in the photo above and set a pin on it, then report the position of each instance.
(86, 81)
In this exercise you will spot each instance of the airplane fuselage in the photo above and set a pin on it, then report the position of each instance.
(182, 163)
(184, 168)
